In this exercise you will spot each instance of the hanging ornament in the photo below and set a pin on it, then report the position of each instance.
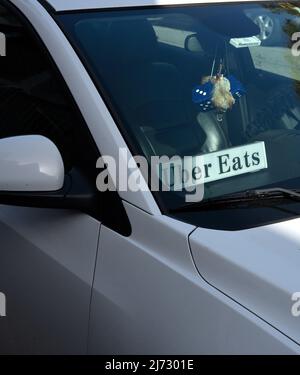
(217, 92)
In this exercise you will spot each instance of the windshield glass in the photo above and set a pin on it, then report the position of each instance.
(220, 82)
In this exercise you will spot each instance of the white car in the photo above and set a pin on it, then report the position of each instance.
(208, 265)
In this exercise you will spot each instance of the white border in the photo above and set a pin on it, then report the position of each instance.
(61, 5)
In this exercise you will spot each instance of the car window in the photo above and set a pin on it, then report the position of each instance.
(217, 83)
(33, 96)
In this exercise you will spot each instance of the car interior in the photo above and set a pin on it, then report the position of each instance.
(158, 104)
(149, 66)
(149, 79)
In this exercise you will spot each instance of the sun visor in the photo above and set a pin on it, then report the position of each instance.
(229, 21)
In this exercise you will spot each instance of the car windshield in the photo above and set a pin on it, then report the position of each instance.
(217, 82)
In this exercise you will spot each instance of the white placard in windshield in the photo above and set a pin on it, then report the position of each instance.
(252, 41)
(194, 170)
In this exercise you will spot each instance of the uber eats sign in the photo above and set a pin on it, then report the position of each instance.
(189, 171)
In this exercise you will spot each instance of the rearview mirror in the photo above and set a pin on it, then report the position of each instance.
(192, 43)
(30, 163)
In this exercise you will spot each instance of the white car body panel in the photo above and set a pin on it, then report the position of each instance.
(148, 298)
(47, 261)
(258, 268)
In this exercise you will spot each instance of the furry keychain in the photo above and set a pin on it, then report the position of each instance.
(222, 98)
(217, 92)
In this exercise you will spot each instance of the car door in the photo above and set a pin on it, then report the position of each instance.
(47, 256)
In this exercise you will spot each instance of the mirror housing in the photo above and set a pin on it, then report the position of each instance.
(32, 175)
(30, 163)
(192, 43)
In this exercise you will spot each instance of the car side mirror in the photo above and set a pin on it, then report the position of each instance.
(30, 163)
(32, 174)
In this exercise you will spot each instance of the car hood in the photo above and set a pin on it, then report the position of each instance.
(259, 268)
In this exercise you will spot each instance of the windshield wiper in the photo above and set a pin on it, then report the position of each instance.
(236, 199)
